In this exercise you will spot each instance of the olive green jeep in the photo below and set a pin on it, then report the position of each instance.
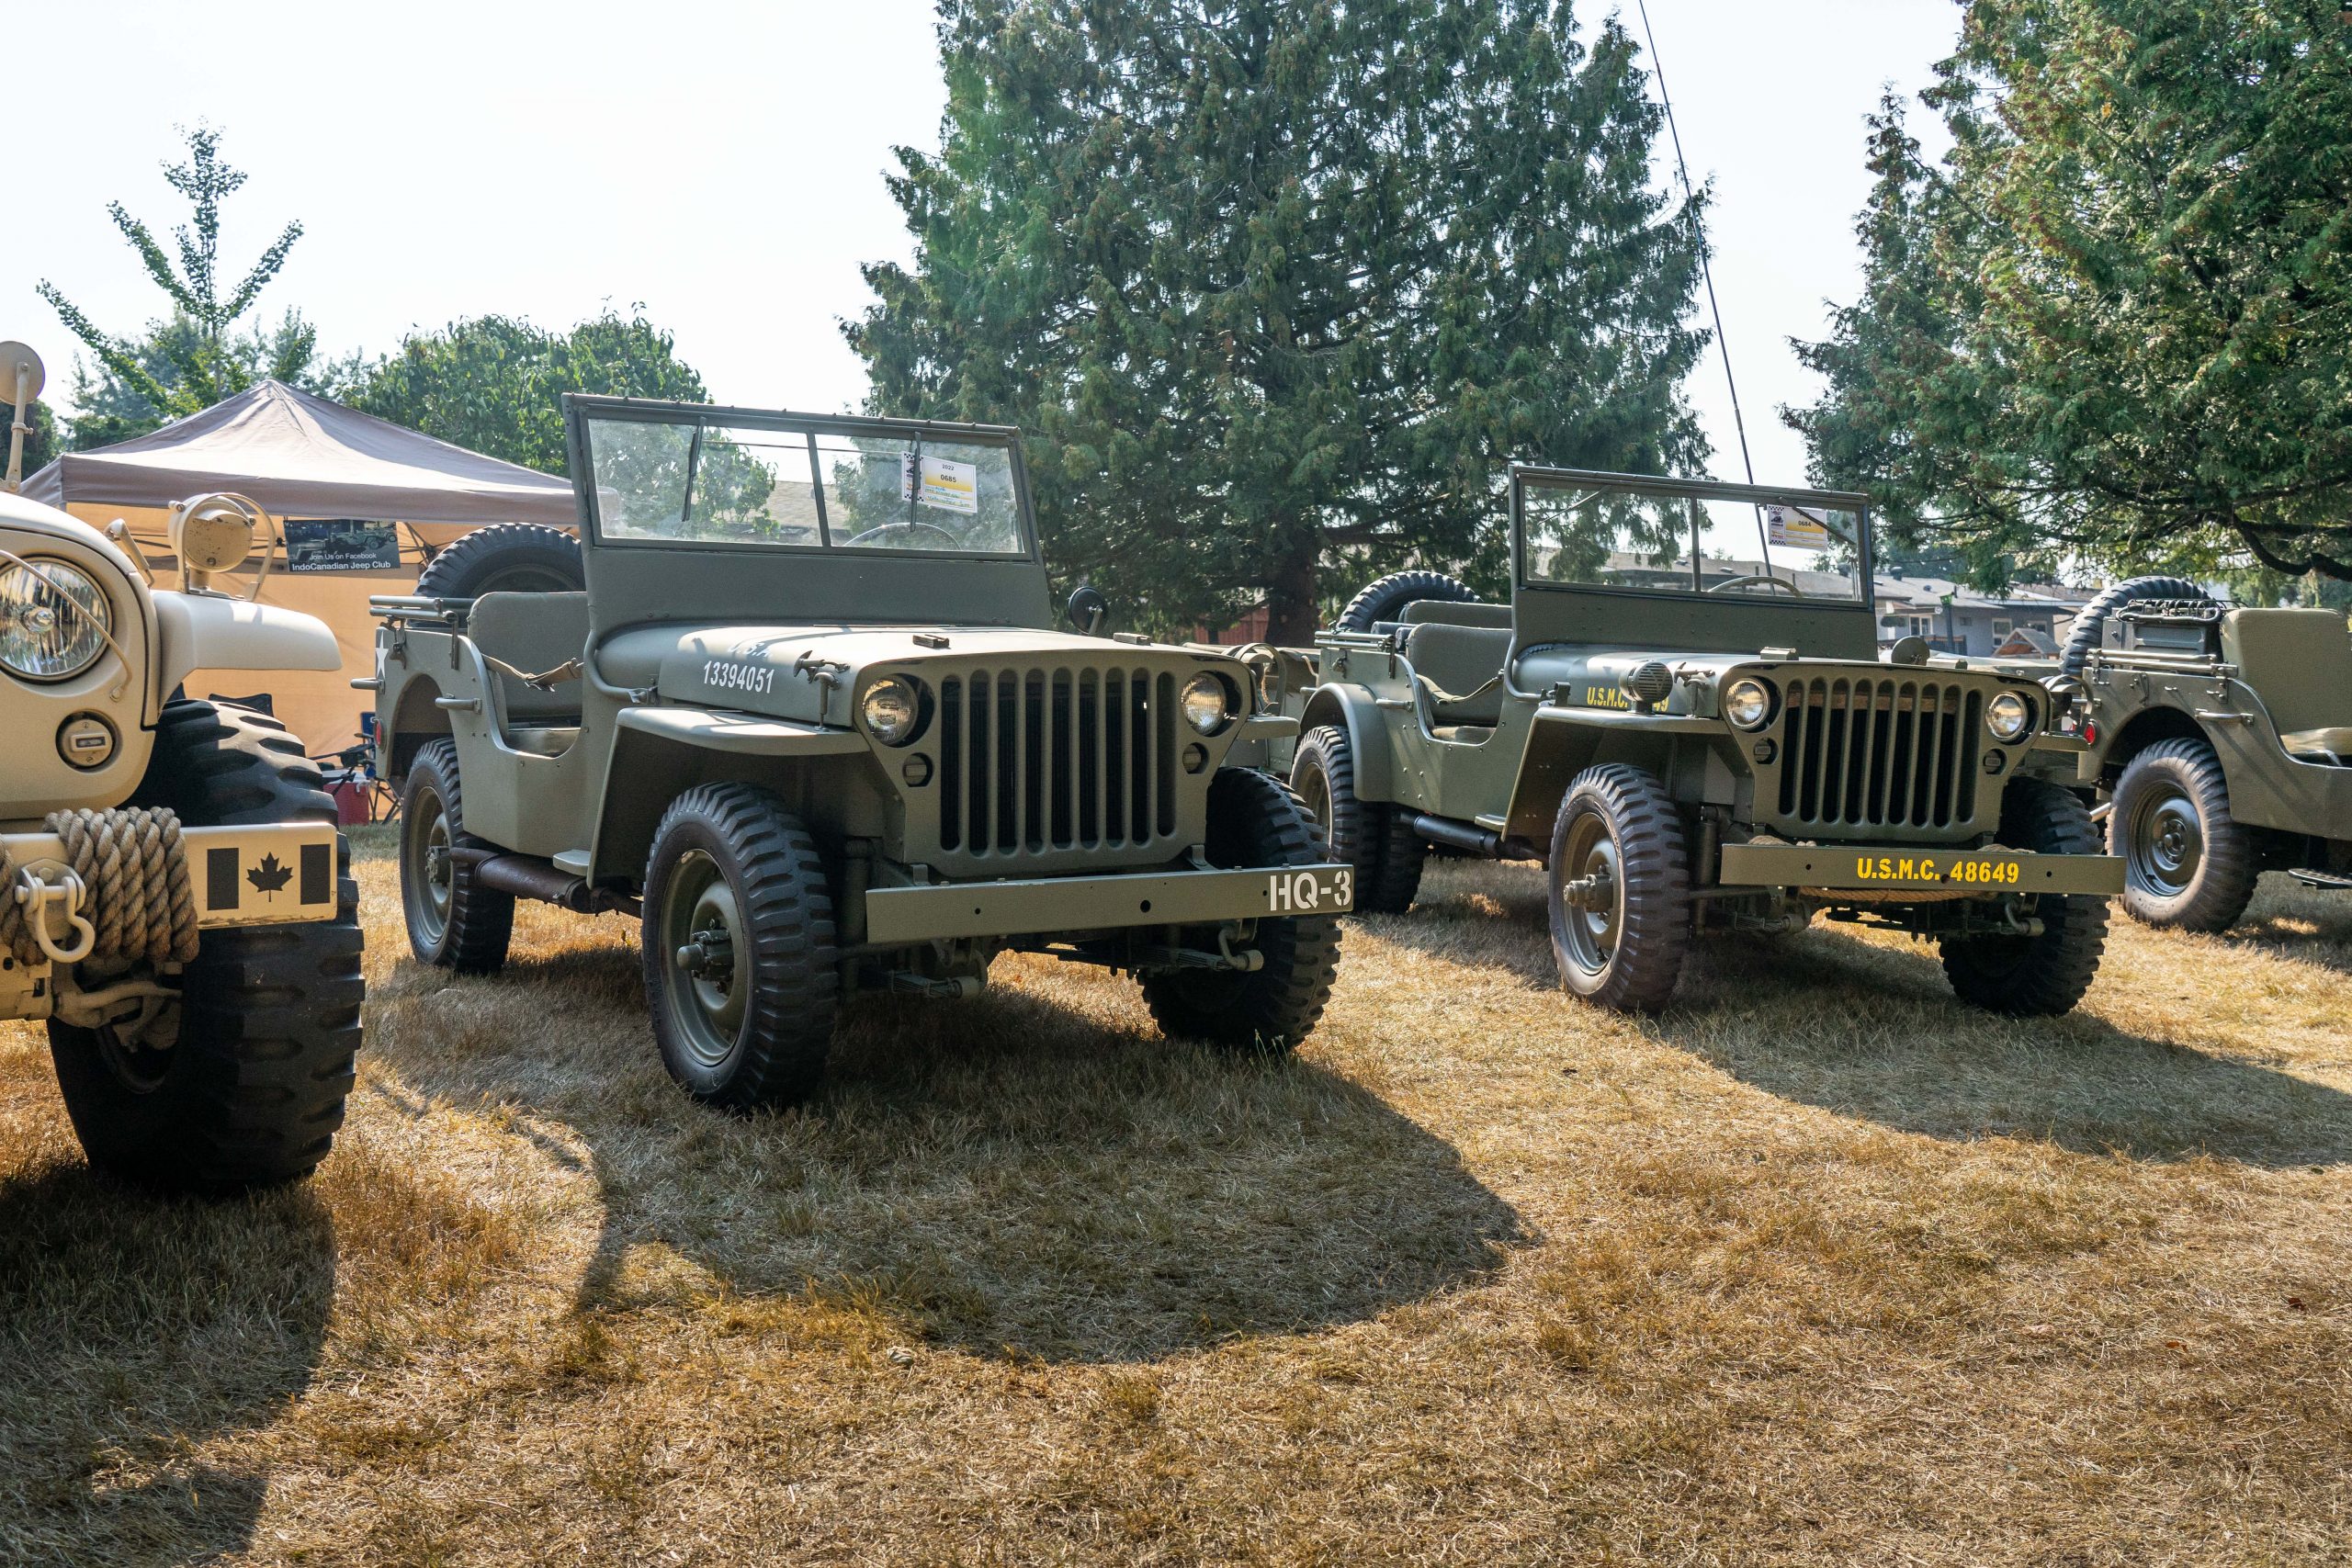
(176, 901)
(811, 722)
(1682, 713)
(2220, 738)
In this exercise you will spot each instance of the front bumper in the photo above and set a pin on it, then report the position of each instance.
(1908, 868)
(265, 875)
(896, 917)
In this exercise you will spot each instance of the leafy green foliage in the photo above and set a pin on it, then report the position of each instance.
(494, 383)
(2116, 320)
(1261, 282)
(192, 358)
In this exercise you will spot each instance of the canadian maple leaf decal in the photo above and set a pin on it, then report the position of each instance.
(269, 876)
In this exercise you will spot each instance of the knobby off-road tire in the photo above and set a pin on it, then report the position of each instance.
(506, 558)
(1376, 840)
(453, 921)
(2030, 976)
(1619, 834)
(2089, 621)
(252, 1091)
(1385, 598)
(755, 1029)
(2188, 864)
(1254, 820)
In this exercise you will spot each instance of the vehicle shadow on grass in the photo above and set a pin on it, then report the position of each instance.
(133, 1328)
(1874, 1032)
(1030, 1172)
(2298, 924)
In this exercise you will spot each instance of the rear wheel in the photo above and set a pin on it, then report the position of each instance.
(506, 558)
(1371, 838)
(2187, 862)
(741, 970)
(2045, 973)
(1385, 598)
(453, 921)
(1253, 821)
(250, 1088)
(1619, 889)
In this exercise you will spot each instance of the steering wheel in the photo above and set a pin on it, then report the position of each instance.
(1779, 583)
(887, 529)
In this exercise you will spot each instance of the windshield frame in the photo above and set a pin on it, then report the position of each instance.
(1600, 480)
(580, 410)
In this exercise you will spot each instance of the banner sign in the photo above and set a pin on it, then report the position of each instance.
(340, 544)
(1795, 528)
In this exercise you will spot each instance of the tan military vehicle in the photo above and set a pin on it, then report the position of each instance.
(174, 898)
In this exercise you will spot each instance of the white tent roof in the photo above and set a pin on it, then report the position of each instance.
(299, 455)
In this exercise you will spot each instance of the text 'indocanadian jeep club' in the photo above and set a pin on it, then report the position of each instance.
(1694, 733)
(811, 721)
(174, 898)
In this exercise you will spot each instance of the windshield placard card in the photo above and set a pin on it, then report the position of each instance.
(943, 483)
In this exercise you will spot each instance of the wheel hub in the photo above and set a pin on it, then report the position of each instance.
(2167, 844)
(703, 929)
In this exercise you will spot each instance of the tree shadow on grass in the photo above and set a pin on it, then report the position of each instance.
(1874, 1032)
(133, 1327)
(1016, 1173)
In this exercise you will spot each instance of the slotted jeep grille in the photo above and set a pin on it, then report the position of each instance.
(1043, 760)
(1866, 752)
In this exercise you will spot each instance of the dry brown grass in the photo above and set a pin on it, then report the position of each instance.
(1819, 1267)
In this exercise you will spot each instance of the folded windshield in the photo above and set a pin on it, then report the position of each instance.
(820, 486)
(1576, 533)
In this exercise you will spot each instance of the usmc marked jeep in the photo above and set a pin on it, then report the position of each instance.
(174, 895)
(1691, 741)
(810, 722)
(2222, 737)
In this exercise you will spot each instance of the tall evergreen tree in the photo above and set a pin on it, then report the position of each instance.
(2116, 321)
(1262, 281)
(194, 357)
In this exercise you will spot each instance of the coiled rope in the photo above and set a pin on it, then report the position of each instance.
(139, 896)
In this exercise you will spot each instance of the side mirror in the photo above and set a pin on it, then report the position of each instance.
(1088, 609)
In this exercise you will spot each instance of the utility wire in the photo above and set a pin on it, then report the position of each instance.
(1707, 272)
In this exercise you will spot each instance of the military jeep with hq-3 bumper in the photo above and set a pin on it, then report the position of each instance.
(812, 722)
(1693, 732)
(174, 896)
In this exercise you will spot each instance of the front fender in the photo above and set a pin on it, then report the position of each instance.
(1351, 709)
(206, 631)
(1562, 742)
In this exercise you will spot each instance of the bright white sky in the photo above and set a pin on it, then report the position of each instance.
(722, 163)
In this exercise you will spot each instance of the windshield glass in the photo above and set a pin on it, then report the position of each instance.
(1579, 535)
(694, 482)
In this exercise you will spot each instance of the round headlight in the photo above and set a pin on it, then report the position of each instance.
(53, 620)
(1208, 703)
(1747, 704)
(891, 710)
(2009, 716)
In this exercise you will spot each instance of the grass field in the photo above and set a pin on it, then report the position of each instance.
(1816, 1267)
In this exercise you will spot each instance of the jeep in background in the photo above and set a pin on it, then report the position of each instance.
(2221, 739)
(811, 722)
(176, 901)
(1694, 733)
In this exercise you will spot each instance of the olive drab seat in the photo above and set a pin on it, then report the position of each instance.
(1457, 652)
(532, 633)
(2301, 661)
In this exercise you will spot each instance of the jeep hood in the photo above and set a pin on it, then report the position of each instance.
(810, 673)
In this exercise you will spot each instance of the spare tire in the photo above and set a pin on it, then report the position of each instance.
(1385, 599)
(506, 558)
(2089, 620)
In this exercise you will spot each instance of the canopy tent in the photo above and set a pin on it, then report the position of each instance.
(301, 457)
